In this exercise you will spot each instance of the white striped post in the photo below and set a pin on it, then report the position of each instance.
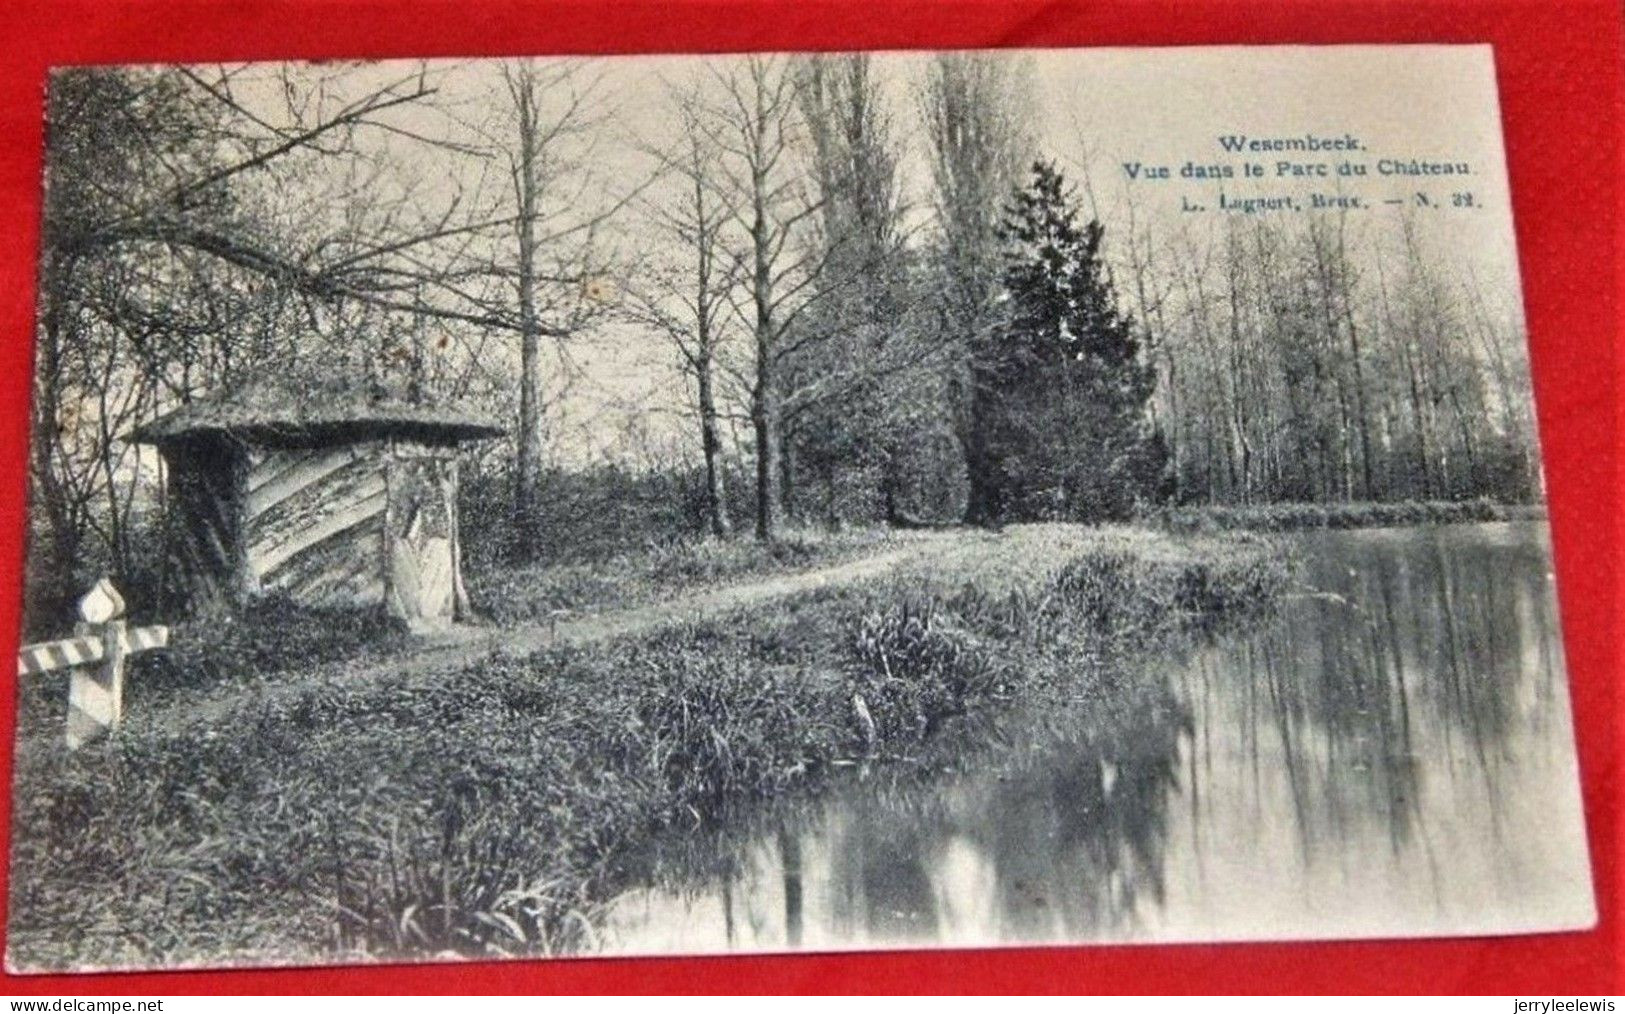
(96, 693)
(95, 660)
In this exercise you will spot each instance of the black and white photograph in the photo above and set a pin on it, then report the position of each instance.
(666, 505)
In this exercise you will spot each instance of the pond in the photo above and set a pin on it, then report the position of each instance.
(1390, 755)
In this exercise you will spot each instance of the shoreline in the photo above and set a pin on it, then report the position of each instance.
(480, 811)
(1304, 516)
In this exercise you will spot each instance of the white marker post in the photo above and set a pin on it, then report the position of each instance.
(96, 694)
(95, 660)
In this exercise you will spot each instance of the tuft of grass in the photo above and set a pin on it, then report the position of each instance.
(1284, 517)
(490, 810)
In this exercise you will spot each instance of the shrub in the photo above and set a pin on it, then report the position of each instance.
(913, 664)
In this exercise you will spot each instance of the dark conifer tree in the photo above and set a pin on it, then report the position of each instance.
(1069, 433)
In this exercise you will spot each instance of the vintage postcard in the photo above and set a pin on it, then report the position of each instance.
(672, 505)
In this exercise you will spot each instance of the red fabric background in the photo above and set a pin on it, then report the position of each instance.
(1559, 67)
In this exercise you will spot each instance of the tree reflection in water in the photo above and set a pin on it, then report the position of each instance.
(1399, 629)
(1347, 768)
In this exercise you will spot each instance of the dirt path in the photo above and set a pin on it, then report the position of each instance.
(466, 644)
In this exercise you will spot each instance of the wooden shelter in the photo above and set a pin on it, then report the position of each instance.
(333, 492)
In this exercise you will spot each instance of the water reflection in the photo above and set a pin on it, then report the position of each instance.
(1392, 755)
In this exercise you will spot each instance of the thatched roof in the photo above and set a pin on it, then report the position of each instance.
(285, 408)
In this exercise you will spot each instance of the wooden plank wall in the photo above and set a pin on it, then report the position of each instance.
(314, 523)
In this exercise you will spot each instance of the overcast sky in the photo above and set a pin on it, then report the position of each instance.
(1096, 109)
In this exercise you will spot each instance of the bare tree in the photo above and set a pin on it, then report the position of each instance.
(750, 116)
(556, 255)
(687, 300)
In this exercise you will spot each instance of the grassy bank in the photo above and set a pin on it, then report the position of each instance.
(281, 641)
(488, 810)
(1285, 517)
